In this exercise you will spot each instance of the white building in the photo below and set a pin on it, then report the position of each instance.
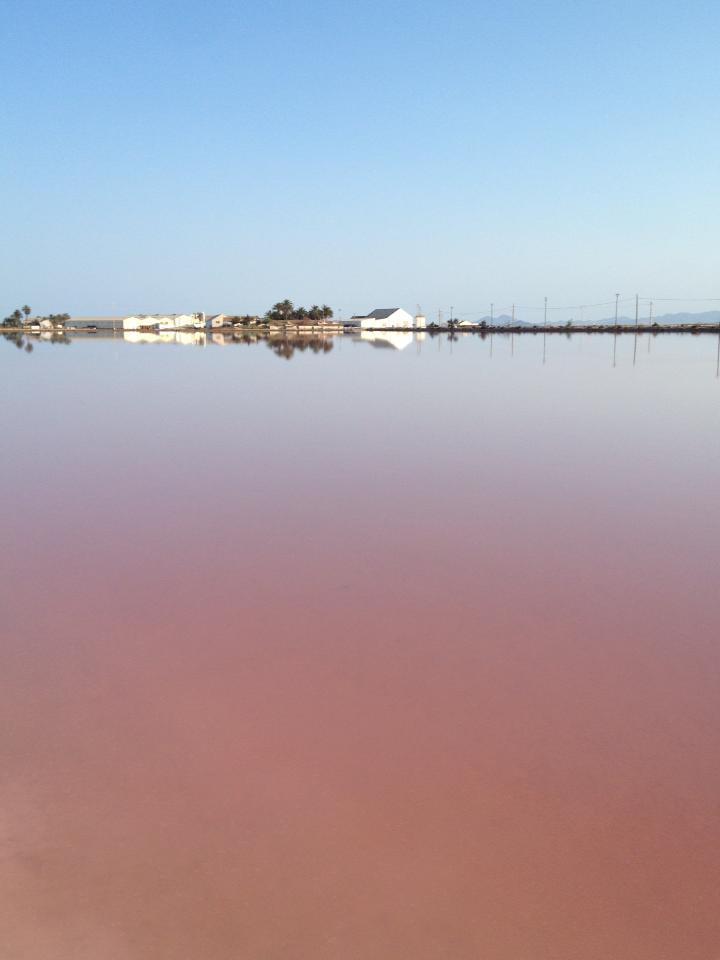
(163, 321)
(184, 320)
(393, 317)
(139, 321)
(216, 321)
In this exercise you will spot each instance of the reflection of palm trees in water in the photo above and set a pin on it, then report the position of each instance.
(20, 342)
(286, 346)
(24, 343)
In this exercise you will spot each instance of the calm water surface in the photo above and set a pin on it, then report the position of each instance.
(366, 653)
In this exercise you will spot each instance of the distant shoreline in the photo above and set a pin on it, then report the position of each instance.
(432, 329)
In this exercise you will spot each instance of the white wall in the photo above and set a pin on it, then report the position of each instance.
(136, 323)
(401, 318)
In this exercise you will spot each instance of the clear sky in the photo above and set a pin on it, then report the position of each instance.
(175, 155)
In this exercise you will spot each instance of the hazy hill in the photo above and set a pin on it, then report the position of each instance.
(668, 319)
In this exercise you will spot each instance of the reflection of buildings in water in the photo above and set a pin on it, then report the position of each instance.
(390, 339)
(135, 336)
(220, 339)
(189, 338)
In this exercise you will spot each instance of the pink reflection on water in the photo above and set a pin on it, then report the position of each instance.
(430, 689)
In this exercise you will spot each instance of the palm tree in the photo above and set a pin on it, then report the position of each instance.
(282, 312)
(327, 312)
(27, 311)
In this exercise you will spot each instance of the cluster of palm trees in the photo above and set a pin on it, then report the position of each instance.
(17, 317)
(286, 312)
(20, 317)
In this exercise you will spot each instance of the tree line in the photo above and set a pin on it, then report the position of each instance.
(21, 317)
(286, 312)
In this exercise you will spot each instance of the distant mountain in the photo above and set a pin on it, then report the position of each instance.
(504, 320)
(667, 319)
(664, 319)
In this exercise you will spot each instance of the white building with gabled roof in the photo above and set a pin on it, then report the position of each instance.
(392, 317)
(216, 321)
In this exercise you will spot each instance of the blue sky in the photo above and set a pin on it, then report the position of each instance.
(181, 156)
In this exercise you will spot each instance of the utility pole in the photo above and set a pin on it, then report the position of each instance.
(513, 314)
(637, 310)
(651, 312)
(451, 317)
(492, 312)
(617, 298)
(546, 311)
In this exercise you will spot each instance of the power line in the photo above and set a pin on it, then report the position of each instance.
(545, 307)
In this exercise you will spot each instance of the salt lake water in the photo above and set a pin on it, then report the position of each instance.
(372, 650)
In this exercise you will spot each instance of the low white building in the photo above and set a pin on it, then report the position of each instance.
(139, 321)
(184, 320)
(388, 317)
(163, 321)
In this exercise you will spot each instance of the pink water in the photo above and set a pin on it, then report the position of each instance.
(369, 654)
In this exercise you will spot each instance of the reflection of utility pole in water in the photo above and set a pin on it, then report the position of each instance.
(637, 321)
(617, 298)
(545, 332)
(717, 369)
